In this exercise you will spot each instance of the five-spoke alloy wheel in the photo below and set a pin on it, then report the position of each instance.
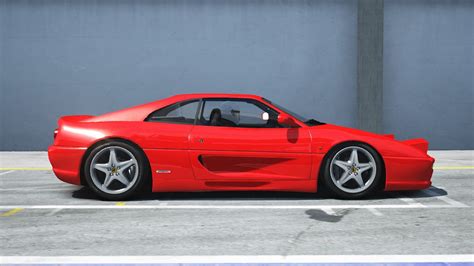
(115, 170)
(352, 170)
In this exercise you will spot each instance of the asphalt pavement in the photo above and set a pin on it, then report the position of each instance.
(41, 216)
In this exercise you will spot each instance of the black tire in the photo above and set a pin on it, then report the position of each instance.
(338, 192)
(142, 169)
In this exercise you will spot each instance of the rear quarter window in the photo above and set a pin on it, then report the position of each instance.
(178, 113)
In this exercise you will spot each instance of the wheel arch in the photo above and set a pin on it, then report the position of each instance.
(119, 139)
(382, 183)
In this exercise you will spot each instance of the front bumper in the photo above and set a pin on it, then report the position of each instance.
(403, 173)
(66, 162)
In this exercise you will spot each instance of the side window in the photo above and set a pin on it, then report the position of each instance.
(237, 113)
(179, 113)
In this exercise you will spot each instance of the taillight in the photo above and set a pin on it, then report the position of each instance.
(55, 133)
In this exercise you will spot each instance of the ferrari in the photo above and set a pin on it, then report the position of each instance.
(230, 142)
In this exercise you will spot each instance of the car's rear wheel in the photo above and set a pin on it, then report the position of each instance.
(353, 170)
(115, 170)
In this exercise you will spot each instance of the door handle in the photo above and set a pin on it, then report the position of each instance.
(199, 140)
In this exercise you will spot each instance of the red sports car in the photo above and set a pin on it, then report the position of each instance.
(207, 142)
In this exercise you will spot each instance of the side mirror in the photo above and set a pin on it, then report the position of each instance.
(286, 120)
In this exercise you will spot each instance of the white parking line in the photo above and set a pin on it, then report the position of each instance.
(320, 207)
(409, 201)
(7, 172)
(464, 258)
(329, 211)
(446, 199)
(375, 212)
(53, 212)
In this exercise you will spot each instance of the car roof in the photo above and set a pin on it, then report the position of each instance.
(140, 112)
(180, 97)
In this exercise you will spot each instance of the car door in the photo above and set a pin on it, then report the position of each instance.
(245, 142)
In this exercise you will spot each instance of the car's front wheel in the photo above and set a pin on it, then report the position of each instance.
(115, 170)
(353, 170)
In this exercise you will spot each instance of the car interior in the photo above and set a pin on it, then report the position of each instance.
(223, 113)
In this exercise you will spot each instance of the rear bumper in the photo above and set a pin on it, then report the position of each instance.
(404, 173)
(66, 162)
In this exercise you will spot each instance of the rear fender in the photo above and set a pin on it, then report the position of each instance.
(69, 132)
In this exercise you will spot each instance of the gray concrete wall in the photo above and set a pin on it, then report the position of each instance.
(91, 57)
(429, 70)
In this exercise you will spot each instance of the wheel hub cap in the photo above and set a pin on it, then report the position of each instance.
(114, 170)
(353, 169)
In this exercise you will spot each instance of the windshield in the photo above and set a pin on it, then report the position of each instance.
(309, 122)
(295, 115)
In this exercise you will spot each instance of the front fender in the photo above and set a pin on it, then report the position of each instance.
(407, 164)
